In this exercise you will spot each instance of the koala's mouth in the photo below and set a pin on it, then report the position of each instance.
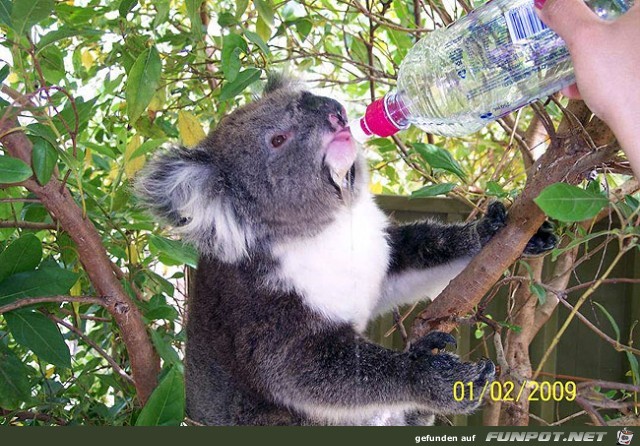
(339, 158)
(343, 185)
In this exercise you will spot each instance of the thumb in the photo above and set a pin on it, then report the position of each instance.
(566, 17)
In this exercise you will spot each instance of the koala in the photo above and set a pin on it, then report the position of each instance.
(295, 259)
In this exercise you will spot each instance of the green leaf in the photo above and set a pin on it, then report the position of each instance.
(44, 160)
(303, 26)
(241, 7)
(570, 203)
(147, 147)
(126, 6)
(232, 46)
(433, 190)
(143, 82)
(539, 291)
(39, 334)
(629, 206)
(263, 29)
(243, 80)
(162, 7)
(165, 349)
(193, 12)
(493, 189)
(67, 119)
(106, 150)
(65, 32)
(176, 250)
(23, 254)
(15, 387)
(43, 131)
(4, 72)
(46, 281)
(257, 40)
(166, 404)
(439, 158)
(5, 12)
(227, 20)
(13, 170)
(586, 238)
(612, 321)
(265, 11)
(27, 13)
(635, 370)
(359, 50)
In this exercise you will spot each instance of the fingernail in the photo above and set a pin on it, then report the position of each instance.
(539, 3)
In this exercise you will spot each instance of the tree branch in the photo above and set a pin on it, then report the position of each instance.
(516, 413)
(569, 156)
(56, 198)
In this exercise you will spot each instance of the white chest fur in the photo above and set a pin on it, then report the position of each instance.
(339, 272)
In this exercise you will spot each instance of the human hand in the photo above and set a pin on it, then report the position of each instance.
(606, 59)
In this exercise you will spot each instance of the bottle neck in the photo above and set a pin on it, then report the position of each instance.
(396, 110)
(384, 117)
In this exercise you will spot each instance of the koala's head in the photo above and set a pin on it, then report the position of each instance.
(280, 167)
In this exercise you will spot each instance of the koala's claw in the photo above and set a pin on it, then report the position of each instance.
(496, 215)
(544, 240)
(494, 220)
(483, 373)
(434, 340)
(444, 372)
(487, 370)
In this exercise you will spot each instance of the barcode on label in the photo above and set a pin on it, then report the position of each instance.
(523, 23)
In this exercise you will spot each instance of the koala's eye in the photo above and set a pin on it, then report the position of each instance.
(278, 140)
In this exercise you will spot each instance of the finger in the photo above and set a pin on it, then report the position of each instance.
(572, 92)
(566, 17)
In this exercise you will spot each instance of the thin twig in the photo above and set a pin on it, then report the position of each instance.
(19, 200)
(28, 301)
(27, 225)
(590, 411)
(569, 418)
(24, 415)
(112, 362)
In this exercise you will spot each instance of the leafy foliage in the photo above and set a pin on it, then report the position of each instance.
(109, 82)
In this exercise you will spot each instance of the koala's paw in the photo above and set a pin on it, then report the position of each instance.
(542, 241)
(494, 220)
(439, 373)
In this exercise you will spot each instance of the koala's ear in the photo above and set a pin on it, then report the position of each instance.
(185, 189)
(175, 182)
(279, 80)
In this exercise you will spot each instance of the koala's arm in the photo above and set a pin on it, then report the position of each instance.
(426, 256)
(337, 375)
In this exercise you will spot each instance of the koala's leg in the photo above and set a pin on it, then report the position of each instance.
(337, 375)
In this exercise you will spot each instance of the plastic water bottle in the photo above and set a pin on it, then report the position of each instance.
(494, 60)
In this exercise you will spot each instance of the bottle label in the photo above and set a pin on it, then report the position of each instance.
(523, 23)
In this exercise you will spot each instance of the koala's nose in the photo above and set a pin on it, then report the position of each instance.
(329, 108)
(337, 119)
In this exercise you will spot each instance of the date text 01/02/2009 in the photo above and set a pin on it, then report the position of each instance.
(510, 391)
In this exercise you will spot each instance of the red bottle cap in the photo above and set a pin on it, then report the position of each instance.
(377, 121)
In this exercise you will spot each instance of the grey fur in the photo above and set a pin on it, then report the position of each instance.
(259, 349)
